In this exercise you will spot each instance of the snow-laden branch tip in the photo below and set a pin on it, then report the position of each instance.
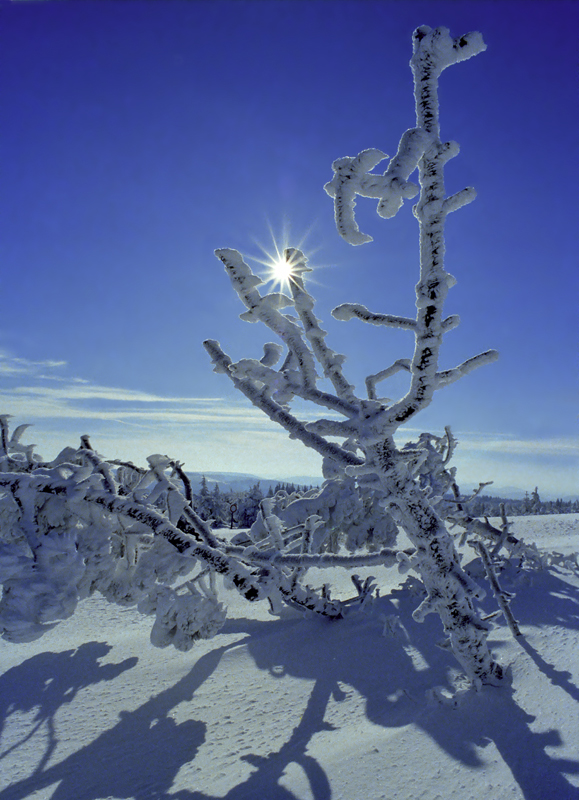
(260, 397)
(330, 361)
(458, 200)
(449, 376)
(266, 310)
(348, 311)
(352, 177)
(435, 50)
(349, 176)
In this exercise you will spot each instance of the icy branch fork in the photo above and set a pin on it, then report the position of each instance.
(367, 427)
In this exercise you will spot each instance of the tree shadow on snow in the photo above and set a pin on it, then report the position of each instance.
(493, 716)
(263, 783)
(141, 755)
(541, 597)
(395, 675)
(48, 681)
(138, 758)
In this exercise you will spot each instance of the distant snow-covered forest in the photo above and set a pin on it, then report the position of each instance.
(234, 500)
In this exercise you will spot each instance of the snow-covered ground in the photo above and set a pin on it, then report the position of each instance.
(300, 709)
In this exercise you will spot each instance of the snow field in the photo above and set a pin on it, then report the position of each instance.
(297, 708)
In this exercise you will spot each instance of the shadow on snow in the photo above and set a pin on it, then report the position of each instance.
(141, 755)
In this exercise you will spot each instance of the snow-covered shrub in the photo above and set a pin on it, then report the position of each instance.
(183, 615)
(348, 515)
(81, 524)
(247, 506)
(59, 542)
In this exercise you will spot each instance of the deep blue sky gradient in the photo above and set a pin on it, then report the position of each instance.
(139, 136)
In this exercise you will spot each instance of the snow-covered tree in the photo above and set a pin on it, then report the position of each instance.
(203, 501)
(248, 506)
(536, 502)
(81, 524)
(367, 455)
(210, 504)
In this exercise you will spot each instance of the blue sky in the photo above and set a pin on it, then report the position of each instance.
(137, 137)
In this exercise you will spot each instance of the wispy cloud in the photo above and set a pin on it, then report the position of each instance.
(508, 444)
(11, 365)
(218, 433)
(87, 391)
(76, 400)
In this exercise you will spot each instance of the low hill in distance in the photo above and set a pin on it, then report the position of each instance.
(241, 482)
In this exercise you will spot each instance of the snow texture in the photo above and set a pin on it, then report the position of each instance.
(368, 707)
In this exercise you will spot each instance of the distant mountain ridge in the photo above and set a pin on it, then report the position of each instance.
(515, 493)
(241, 482)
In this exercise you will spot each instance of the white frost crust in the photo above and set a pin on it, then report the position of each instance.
(348, 311)
(348, 181)
(449, 376)
(435, 50)
(184, 617)
(352, 176)
(458, 200)
(330, 361)
(271, 354)
(395, 187)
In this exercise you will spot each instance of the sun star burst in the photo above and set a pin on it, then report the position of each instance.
(281, 260)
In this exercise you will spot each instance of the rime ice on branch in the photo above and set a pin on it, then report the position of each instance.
(392, 478)
(80, 524)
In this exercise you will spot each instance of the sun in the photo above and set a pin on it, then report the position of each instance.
(286, 267)
(281, 270)
(282, 262)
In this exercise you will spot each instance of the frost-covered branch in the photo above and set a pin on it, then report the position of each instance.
(330, 361)
(449, 376)
(266, 309)
(260, 398)
(386, 557)
(352, 177)
(349, 311)
(402, 364)
(409, 484)
(503, 598)
(81, 524)
(298, 375)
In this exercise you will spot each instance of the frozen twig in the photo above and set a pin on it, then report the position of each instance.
(502, 597)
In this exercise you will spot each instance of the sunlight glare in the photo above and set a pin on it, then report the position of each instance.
(279, 269)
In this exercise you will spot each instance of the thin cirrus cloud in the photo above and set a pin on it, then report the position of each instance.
(225, 434)
(140, 409)
(508, 444)
(12, 365)
(85, 401)
(79, 399)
